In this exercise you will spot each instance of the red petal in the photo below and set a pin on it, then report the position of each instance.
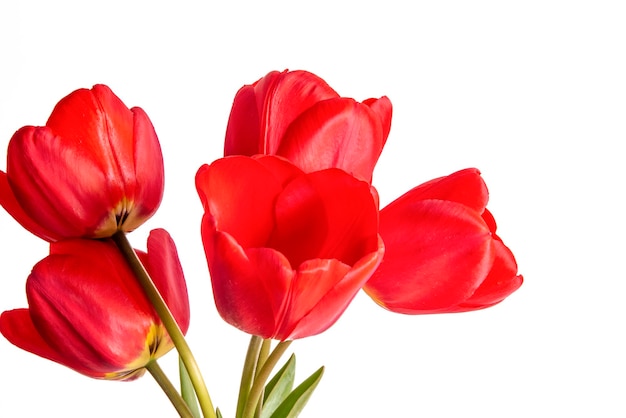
(230, 187)
(98, 126)
(382, 107)
(147, 172)
(291, 94)
(500, 283)
(312, 283)
(98, 120)
(250, 287)
(490, 221)
(164, 267)
(282, 170)
(12, 206)
(321, 292)
(243, 129)
(326, 214)
(17, 327)
(464, 186)
(436, 254)
(61, 199)
(339, 133)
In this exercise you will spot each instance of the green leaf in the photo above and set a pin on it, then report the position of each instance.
(279, 386)
(218, 413)
(295, 402)
(187, 391)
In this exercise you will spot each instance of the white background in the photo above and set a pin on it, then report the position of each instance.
(532, 93)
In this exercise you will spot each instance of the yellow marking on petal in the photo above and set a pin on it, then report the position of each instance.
(157, 344)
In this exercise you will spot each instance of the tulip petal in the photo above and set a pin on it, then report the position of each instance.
(249, 286)
(148, 169)
(339, 133)
(228, 200)
(321, 292)
(39, 160)
(501, 281)
(436, 255)
(163, 265)
(243, 129)
(313, 281)
(17, 326)
(465, 186)
(13, 207)
(383, 108)
(244, 132)
(327, 214)
(97, 126)
(490, 221)
(282, 170)
(98, 120)
(292, 94)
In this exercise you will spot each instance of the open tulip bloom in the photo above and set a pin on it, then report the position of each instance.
(292, 231)
(291, 266)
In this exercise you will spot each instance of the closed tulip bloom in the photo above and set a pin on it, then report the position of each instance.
(297, 115)
(287, 250)
(94, 168)
(442, 253)
(87, 311)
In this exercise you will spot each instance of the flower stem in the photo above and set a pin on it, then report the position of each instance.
(169, 389)
(263, 354)
(169, 322)
(261, 377)
(247, 375)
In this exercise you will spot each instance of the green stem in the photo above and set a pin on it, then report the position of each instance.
(261, 378)
(247, 375)
(169, 322)
(263, 354)
(169, 389)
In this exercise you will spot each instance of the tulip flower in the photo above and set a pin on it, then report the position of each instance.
(94, 168)
(442, 253)
(296, 115)
(287, 250)
(87, 312)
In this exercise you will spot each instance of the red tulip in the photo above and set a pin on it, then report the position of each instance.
(442, 253)
(287, 251)
(95, 168)
(298, 116)
(87, 311)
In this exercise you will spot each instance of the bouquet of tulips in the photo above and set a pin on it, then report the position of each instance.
(292, 231)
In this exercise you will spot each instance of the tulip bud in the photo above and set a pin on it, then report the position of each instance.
(88, 312)
(442, 253)
(296, 115)
(95, 168)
